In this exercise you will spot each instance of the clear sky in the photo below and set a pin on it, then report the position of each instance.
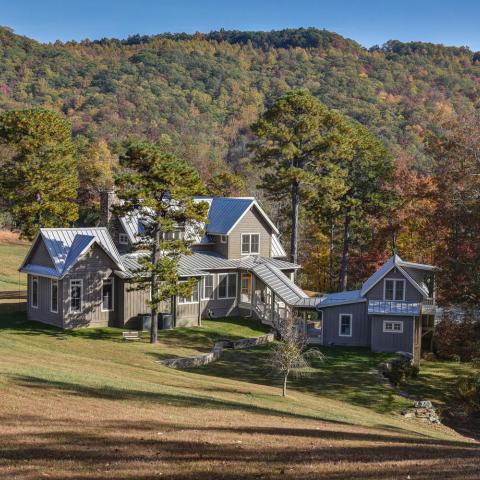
(369, 22)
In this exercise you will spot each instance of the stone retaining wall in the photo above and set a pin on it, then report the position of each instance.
(216, 352)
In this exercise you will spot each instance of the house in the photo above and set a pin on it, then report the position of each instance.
(81, 277)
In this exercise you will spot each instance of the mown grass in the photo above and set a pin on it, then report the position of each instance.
(85, 404)
(11, 256)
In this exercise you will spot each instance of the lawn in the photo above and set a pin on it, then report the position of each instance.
(11, 256)
(84, 404)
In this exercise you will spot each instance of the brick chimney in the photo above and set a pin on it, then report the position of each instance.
(107, 200)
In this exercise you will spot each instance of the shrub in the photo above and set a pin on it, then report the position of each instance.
(468, 392)
(400, 370)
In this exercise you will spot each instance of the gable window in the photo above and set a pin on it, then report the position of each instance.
(246, 288)
(345, 325)
(123, 239)
(227, 285)
(34, 300)
(250, 243)
(192, 298)
(76, 295)
(54, 296)
(207, 287)
(223, 239)
(107, 295)
(394, 289)
(392, 326)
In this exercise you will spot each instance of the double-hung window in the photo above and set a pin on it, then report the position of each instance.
(394, 289)
(76, 295)
(345, 325)
(192, 298)
(392, 326)
(250, 243)
(34, 299)
(107, 295)
(54, 296)
(208, 287)
(227, 285)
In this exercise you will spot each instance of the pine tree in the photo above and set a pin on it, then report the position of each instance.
(39, 179)
(159, 188)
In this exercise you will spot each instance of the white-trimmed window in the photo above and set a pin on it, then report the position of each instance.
(392, 326)
(208, 287)
(227, 285)
(123, 239)
(345, 325)
(246, 288)
(76, 295)
(223, 239)
(250, 243)
(394, 289)
(53, 295)
(192, 298)
(34, 298)
(107, 294)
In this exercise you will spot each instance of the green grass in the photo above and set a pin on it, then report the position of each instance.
(11, 256)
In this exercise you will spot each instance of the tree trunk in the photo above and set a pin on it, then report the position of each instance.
(330, 273)
(295, 209)
(154, 287)
(284, 391)
(345, 252)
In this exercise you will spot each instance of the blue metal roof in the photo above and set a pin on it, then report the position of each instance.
(225, 212)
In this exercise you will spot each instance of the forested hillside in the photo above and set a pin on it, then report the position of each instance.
(199, 95)
(203, 91)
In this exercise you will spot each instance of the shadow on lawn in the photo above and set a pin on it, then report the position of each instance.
(140, 450)
(345, 375)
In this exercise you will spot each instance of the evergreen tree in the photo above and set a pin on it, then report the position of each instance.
(39, 179)
(159, 188)
(294, 137)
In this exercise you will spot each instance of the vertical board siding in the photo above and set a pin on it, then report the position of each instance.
(92, 268)
(252, 222)
(134, 304)
(360, 325)
(43, 313)
(39, 255)
(392, 342)
(411, 293)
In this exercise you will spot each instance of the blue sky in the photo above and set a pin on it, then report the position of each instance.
(367, 21)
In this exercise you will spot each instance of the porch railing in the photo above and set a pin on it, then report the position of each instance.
(394, 307)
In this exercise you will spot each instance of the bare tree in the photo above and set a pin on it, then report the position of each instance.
(291, 354)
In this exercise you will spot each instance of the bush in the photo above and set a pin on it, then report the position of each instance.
(468, 392)
(400, 370)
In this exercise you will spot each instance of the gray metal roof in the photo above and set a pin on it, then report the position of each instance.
(39, 270)
(277, 248)
(332, 299)
(66, 245)
(224, 213)
(251, 260)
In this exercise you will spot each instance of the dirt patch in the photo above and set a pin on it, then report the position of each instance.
(10, 238)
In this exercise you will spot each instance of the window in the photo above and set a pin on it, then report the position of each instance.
(345, 325)
(54, 296)
(394, 289)
(223, 239)
(192, 298)
(227, 285)
(123, 239)
(246, 288)
(250, 243)
(207, 287)
(107, 295)
(175, 235)
(76, 295)
(34, 299)
(390, 326)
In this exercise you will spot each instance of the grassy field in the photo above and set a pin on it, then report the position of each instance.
(12, 252)
(84, 404)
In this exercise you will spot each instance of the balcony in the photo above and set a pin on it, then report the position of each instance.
(394, 307)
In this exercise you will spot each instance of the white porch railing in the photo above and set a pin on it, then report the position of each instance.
(394, 307)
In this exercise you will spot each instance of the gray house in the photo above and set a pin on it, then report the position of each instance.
(81, 277)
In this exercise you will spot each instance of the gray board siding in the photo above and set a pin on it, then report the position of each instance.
(411, 293)
(43, 313)
(92, 268)
(392, 342)
(39, 255)
(360, 325)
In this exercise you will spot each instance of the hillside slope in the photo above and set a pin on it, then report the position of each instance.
(203, 91)
(86, 405)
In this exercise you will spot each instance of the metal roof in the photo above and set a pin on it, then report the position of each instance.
(40, 270)
(251, 260)
(224, 213)
(332, 299)
(66, 245)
